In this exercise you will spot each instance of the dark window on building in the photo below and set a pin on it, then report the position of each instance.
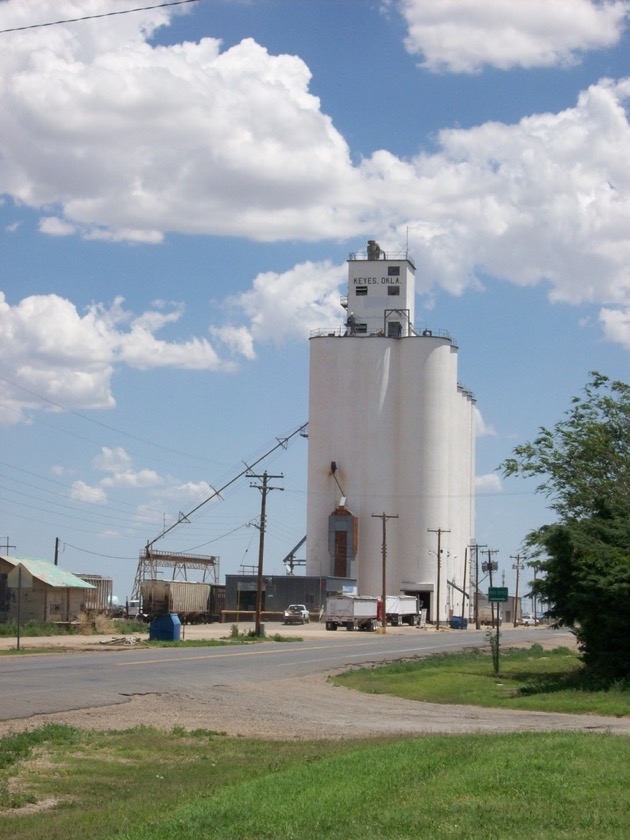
(394, 329)
(360, 290)
(393, 270)
(361, 328)
(393, 290)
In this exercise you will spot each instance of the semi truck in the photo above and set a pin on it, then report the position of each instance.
(362, 612)
(354, 612)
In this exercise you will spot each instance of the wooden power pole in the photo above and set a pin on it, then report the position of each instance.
(439, 532)
(264, 490)
(384, 517)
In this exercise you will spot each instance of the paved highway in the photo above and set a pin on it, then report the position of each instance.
(47, 683)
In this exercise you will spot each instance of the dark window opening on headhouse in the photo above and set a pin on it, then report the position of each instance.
(360, 290)
(393, 290)
(393, 270)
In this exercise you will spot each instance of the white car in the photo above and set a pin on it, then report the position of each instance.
(296, 614)
(528, 621)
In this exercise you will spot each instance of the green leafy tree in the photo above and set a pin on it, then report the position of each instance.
(586, 582)
(584, 466)
(584, 460)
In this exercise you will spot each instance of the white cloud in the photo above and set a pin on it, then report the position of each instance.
(238, 340)
(463, 36)
(547, 198)
(482, 429)
(63, 358)
(82, 492)
(142, 350)
(488, 484)
(190, 491)
(232, 142)
(173, 492)
(56, 227)
(60, 470)
(118, 463)
(287, 305)
(222, 141)
(616, 324)
(112, 460)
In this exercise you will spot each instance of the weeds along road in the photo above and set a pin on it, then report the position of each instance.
(48, 683)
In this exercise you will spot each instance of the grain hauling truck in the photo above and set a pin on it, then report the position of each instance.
(354, 612)
(401, 609)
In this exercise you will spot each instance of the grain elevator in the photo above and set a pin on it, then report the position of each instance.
(391, 452)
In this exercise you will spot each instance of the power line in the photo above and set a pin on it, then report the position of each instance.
(112, 502)
(102, 15)
(216, 492)
(90, 420)
(96, 553)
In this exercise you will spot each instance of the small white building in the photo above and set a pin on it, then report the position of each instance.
(391, 454)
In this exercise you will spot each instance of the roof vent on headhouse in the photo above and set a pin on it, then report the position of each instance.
(373, 250)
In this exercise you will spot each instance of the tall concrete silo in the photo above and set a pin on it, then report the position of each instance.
(391, 441)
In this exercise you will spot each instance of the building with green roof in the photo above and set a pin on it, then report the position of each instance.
(47, 592)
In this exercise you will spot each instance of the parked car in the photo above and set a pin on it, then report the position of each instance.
(296, 614)
(528, 620)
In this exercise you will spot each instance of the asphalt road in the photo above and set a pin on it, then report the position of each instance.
(49, 683)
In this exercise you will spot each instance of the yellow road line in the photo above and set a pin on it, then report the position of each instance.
(212, 656)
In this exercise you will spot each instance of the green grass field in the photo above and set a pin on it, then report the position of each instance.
(530, 679)
(58, 783)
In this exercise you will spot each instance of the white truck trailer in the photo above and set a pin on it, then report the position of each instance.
(354, 612)
(401, 609)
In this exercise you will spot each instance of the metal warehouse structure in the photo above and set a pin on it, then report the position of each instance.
(47, 594)
(278, 591)
(391, 453)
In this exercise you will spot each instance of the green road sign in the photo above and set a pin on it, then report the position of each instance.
(498, 593)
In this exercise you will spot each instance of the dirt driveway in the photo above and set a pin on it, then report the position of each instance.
(297, 708)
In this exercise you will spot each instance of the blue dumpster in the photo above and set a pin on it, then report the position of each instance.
(166, 628)
(458, 623)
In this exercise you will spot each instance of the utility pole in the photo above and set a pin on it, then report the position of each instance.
(384, 517)
(464, 587)
(264, 490)
(6, 546)
(518, 568)
(535, 567)
(491, 566)
(475, 547)
(439, 532)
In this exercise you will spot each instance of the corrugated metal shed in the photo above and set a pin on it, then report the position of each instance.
(49, 574)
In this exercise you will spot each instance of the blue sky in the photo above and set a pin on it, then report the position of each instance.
(181, 188)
